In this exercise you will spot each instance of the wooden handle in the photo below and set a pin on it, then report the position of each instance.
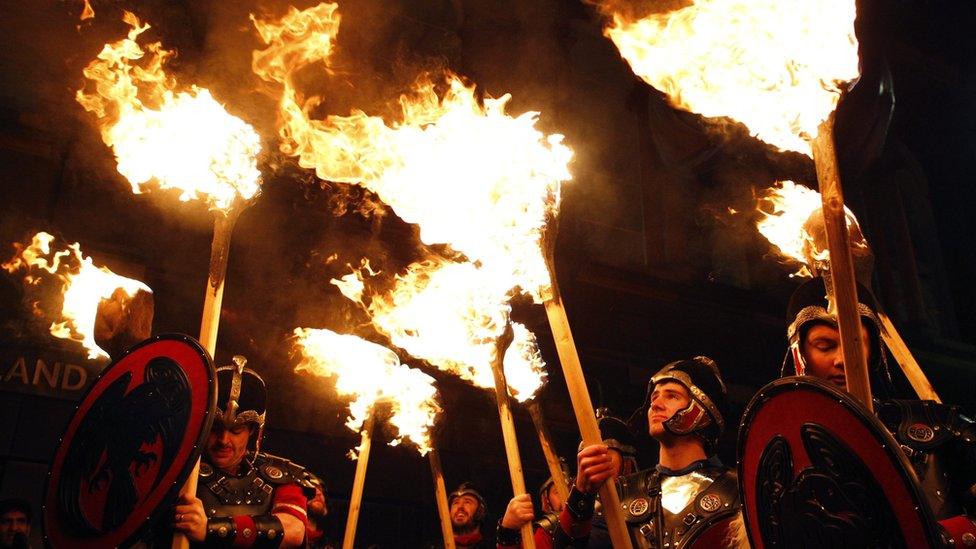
(906, 360)
(357, 484)
(585, 415)
(552, 459)
(843, 296)
(440, 494)
(508, 428)
(210, 321)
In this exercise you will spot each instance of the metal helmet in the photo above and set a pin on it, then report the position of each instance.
(241, 397)
(467, 489)
(808, 306)
(544, 488)
(703, 416)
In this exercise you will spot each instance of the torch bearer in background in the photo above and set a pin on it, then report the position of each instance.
(792, 220)
(171, 139)
(101, 310)
(372, 375)
(778, 67)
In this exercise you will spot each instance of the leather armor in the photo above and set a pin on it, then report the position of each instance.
(941, 444)
(548, 522)
(251, 493)
(641, 500)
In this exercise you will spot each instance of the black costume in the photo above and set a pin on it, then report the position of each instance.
(938, 439)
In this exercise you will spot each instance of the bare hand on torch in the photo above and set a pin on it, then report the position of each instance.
(594, 467)
(519, 512)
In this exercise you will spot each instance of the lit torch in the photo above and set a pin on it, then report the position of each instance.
(467, 173)
(792, 222)
(169, 139)
(371, 374)
(778, 67)
(98, 305)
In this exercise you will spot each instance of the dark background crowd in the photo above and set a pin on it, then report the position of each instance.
(653, 263)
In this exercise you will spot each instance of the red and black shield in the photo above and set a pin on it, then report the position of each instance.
(816, 469)
(130, 445)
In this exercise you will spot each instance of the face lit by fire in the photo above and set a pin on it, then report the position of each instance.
(226, 446)
(464, 509)
(666, 399)
(824, 357)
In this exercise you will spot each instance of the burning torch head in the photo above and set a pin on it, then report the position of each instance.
(704, 415)
(241, 398)
(808, 307)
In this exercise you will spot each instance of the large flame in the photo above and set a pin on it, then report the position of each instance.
(776, 66)
(84, 286)
(181, 140)
(791, 220)
(371, 374)
(451, 314)
(468, 174)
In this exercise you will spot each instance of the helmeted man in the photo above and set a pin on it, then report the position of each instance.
(244, 498)
(689, 495)
(467, 508)
(938, 440)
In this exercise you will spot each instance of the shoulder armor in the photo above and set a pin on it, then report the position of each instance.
(636, 497)
(548, 522)
(278, 470)
(923, 424)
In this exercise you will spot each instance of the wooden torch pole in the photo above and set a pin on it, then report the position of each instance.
(357, 484)
(905, 359)
(843, 290)
(440, 494)
(585, 415)
(552, 459)
(508, 427)
(219, 249)
(576, 384)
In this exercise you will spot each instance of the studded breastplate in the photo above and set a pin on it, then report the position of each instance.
(671, 512)
(249, 493)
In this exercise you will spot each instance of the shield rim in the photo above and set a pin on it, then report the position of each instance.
(883, 437)
(195, 452)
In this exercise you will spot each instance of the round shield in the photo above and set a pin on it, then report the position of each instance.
(816, 469)
(130, 445)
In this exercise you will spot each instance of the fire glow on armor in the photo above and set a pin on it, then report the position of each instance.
(176, 140)
(470, 176)
(84, 286)
(370, 374)
(776, 66)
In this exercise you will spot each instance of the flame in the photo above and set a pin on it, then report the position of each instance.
(85, 285)
(785, 210)
(87, 12)
(793, 223)
(371, 374)
(181, 140)
(777, 66)
(450, 314)
(468, 174)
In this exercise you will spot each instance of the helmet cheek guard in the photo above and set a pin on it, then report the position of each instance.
(689, 420)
